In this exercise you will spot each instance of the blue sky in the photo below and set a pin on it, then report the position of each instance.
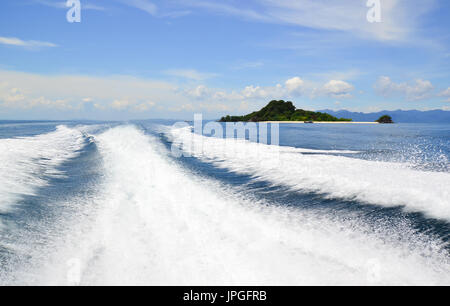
(140, 59)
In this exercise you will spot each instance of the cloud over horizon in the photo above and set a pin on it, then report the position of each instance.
(417, 90)
(22, 90)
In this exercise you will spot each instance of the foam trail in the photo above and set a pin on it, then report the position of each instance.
(26, 162)
(380, 183)
(153, 223)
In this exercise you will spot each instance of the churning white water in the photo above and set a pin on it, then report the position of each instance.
(373, 182)
(154, 223)
(27, 162)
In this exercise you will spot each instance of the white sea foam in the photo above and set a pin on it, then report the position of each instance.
(154, 223)
(27, 162)
(380, 183)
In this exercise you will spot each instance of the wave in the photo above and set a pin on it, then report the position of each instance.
(26, 163)
(373, 182)
(155, 223)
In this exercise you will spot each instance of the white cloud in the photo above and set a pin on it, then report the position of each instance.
(418, 90)
(121, 104)
(145, 106)
(144, 5)
(400, 18)
(19, 90)
(295, 85)
(253, 92)
(199, 92)
(184, 107)
(123, 94)
(421, 90)
(12, 97)
(445, 94)
(344, 75)
(235, 8)
(293, 88)
(338, 89)
(132, 105)
(13, 41)
(26, 90)
(176, 14)
(268, 92)
(205, 106)
(190, 74)
(60, 104)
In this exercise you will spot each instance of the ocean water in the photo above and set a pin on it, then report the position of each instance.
(107, 203)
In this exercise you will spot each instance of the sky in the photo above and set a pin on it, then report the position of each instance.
(139, 59)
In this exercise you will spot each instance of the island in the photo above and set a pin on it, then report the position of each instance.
(282, 111)
(385, 119)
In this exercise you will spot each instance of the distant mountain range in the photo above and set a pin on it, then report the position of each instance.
(399, 116)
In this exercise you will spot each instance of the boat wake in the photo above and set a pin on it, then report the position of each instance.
(26, 163)
(152, 222)
(373, 182)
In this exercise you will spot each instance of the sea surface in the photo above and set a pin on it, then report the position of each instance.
(153, 203)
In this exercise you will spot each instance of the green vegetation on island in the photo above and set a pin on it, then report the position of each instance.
(385, 119)
(282, 111)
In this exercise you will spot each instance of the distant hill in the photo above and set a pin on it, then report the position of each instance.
(398, 116)
(282, 111)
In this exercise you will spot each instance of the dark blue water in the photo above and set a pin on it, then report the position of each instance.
(59, 163)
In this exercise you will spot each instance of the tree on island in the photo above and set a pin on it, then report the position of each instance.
(282, 111)
(385, 119)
